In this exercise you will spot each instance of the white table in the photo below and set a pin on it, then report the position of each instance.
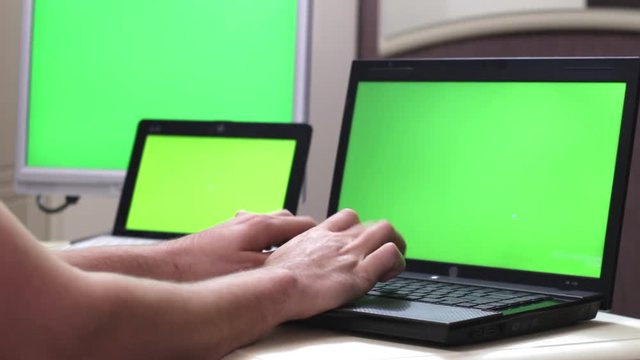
(608, 336)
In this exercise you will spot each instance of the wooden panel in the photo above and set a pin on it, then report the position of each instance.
(368, 29)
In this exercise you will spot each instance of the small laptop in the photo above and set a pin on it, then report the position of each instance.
(186, 176)
(506, 177)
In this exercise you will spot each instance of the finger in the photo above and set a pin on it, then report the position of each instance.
(283, 212)
(264, 231)
(376, 235)
(356, 230)
(341, 220)
(384, 263)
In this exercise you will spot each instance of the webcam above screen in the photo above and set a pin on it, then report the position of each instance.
(85, 84)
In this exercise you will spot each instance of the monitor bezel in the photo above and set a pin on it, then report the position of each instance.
(68, 181)
(300, 133)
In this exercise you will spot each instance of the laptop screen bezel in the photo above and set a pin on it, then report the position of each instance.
(524, 70)
(300, 133)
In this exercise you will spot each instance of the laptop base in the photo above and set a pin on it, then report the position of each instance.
(456, 333)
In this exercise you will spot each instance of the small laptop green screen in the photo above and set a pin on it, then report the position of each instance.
(186, 184)
(512, 175)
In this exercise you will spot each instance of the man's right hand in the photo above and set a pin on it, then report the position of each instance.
(337, 261)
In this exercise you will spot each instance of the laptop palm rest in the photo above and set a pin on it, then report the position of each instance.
(416, 311)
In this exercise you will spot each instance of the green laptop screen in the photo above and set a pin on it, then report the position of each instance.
(100, 66)
(186, 184)
(513, 175)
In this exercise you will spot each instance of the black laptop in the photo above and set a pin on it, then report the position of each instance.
(186, 176)
(507, 179)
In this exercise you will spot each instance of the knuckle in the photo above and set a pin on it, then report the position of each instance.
(349, 213)
(385, 226)
(261, 220)
(368, 279)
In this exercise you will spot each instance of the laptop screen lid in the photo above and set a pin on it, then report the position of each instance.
(186, 176)
(498, 169)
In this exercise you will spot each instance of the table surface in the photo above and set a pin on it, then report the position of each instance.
(607, 336)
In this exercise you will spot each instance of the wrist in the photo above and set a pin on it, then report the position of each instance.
(283, 305)
(176, 257)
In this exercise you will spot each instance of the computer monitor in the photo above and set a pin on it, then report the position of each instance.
(91, 70)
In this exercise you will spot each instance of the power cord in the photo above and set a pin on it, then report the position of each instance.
(68, 200)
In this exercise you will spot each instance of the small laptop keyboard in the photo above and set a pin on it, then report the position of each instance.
(434, 292)
(111, 240)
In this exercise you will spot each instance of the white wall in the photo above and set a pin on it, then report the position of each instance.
(333, 48)
(9, 34)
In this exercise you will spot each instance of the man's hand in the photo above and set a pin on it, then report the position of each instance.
(337, 261)
(235, 245)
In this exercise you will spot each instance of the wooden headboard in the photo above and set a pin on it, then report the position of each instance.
(594, 31)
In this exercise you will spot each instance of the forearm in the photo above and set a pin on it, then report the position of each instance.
(70, 314)
(149, 261)
(150, 319)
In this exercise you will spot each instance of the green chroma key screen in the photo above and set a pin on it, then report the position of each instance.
(100, 66)
(186, 184)
(513, 175)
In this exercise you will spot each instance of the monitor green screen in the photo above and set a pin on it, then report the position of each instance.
(98, 67)
(186, 184)
(512, 175)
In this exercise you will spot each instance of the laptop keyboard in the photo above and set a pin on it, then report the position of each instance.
(434, 292)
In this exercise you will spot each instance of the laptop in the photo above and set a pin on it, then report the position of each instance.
(186, 176)
(506, 177)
